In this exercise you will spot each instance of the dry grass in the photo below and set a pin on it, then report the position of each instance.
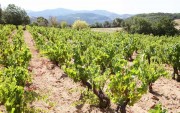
(110, 30)
(178, 22)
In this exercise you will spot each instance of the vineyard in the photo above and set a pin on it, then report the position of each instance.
(116, 68)
(14, 75)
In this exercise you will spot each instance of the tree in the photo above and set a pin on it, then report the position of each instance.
(0, 15)
(42, 21)
(106, 24)
(15, 15)
(117, 22)
(164, 26)
(63, 24)
(53, 21)
(138, 25)
(97, 25)
(26, 20)
(79, 24)
(141, 25)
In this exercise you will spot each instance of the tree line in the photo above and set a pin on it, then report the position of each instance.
(117, 22)
(156, 15)
(41, 21)
(160, 25)
(153, 23)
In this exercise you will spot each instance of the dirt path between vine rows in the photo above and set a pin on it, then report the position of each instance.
(48, 80)
(166, 92)
(61, 92)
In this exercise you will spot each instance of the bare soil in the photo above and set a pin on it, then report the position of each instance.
(48, 80)
(107, 30)
(166, 92)
(60, 92)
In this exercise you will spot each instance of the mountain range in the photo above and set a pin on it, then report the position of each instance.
(71, 15)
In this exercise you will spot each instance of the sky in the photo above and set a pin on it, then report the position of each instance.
(117, 6)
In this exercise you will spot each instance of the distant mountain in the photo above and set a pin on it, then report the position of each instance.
(71, 15)
(51, 12)
(102, 12)
(124, 16)
(88, 17)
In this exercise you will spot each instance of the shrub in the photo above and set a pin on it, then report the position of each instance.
(78, 24)
(63, 24)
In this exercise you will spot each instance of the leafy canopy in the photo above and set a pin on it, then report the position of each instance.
(15, 15)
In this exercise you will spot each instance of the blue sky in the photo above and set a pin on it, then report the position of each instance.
(117, 6)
